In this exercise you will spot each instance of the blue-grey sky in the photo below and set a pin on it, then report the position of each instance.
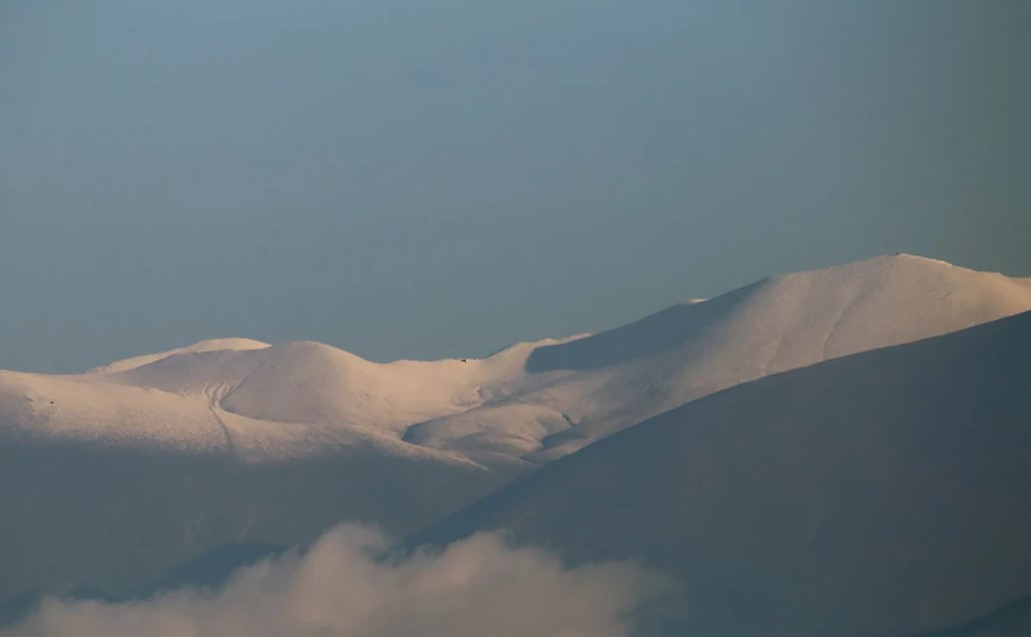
(429, 178)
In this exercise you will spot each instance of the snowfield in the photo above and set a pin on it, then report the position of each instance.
(113, 477)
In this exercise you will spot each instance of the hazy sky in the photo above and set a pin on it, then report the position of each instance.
(433, 178)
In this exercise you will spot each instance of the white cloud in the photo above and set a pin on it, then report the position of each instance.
(343, 587)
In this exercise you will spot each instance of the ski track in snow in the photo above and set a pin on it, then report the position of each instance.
(214, 394)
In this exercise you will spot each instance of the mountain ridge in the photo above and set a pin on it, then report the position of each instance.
(403, 443)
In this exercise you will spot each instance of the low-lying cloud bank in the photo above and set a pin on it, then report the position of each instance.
(343, 587)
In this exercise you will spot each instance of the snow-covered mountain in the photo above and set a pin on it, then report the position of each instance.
(530, 402)
(112, 477)
(603, 383)
(884, 493)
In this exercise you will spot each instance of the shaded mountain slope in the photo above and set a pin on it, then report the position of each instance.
(885, 493)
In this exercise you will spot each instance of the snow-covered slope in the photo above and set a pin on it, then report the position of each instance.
(884, 493)
(236, 425)
(109, 479)
(608, 381)
(530, 402)
(210, 345)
